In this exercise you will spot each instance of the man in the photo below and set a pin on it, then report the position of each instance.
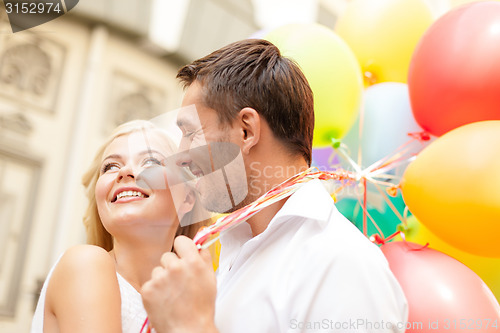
(297, 265)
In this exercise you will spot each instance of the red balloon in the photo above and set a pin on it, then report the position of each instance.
(454, 74)
(443, 294)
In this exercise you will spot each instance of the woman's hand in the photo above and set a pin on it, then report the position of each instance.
(180, 297)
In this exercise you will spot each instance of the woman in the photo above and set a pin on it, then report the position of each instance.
(131, 220)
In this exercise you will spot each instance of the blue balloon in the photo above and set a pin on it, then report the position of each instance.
(387, 121)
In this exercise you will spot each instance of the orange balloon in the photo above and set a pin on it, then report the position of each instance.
(453, 187)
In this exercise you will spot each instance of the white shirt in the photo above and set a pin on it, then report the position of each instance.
(311, 270)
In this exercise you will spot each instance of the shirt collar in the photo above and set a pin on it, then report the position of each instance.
(311, 201)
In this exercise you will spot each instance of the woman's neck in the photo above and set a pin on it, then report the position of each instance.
(136, 258)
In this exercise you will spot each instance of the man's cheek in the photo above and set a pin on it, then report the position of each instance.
(198, 140)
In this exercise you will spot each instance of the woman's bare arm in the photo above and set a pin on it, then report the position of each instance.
(83, 294)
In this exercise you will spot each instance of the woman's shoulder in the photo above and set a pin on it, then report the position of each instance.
(84, 264)
(86, 253)
(84, 280)
(82, 261)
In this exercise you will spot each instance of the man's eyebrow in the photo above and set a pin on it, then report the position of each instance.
(186, 120)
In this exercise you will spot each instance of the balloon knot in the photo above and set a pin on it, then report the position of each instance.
(420, 136)
(402, 228)
(370, 78)
(336, 143)
(377, 239)
(393, 190)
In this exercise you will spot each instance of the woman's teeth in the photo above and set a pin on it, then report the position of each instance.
(130, 194)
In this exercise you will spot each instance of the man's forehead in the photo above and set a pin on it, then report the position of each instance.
(188, 115)
(193, 94)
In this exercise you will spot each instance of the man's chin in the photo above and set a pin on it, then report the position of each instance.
(222, 206)
(242, 204)
(219, 197)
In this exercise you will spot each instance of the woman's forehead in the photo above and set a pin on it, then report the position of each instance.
(139, 141)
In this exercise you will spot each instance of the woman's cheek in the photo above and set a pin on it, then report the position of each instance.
(102, 190)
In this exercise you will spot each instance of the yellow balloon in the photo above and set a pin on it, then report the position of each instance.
(215, 253)
(383, 35)
(453, 187)
(332, 72)
(488, 269)
(215, 247)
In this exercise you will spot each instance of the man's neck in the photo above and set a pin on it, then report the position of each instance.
(259, 222)
(265, 179)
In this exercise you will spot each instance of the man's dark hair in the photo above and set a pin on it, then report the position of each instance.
(253, 73)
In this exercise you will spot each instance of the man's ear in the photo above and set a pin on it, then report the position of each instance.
(250, 125)
(187, 204)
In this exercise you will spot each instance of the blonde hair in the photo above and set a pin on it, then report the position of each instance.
(96, 233)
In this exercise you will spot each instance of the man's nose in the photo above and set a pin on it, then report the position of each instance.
(182, 158)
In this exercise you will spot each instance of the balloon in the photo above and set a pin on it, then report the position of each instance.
(215, 248)
(387, 120)
(259, 34)
(383, 35)
(488, 269)
(454, 75)
(324, 158)
(452, 187)
(443, 294)
(332, 71)
(378, 209)
(455, 3)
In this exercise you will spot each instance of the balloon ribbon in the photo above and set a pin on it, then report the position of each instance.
(203, 238)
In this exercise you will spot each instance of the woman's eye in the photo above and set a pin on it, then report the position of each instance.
(152, 161)
(109, 167)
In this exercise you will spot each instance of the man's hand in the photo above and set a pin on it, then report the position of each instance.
(180, 297)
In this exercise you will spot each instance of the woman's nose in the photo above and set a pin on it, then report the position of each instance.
(126, 172)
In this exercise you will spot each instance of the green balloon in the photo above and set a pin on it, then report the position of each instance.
(383, 215)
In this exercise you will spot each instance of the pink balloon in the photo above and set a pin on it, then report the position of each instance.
(443, 294)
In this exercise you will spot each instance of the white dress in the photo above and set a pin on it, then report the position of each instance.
(133, 312)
